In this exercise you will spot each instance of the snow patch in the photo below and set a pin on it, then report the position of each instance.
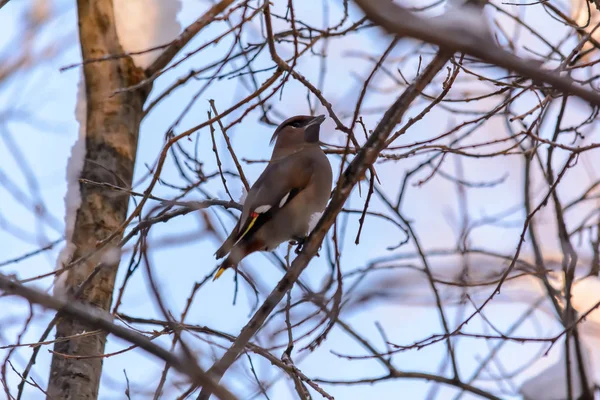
(466, 17)
(586, 294)
(76, 161)
(64, 258)
(73, 195)
(243, 196)
(143, 24)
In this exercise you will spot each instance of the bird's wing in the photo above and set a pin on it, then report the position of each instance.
(279, 183)
(228, 243)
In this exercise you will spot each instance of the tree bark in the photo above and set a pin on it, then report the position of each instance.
(112, 128)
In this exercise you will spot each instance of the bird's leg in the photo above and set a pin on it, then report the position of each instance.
(299, 242)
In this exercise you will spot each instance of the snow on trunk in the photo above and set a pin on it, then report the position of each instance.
(140, 24)
(143, 24)
(73, 196)
(243, 195)
(469, 18)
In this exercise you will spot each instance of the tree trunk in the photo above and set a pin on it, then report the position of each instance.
(111, 142)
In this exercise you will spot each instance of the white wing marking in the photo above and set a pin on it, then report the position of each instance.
(282, 202)
(262, 209)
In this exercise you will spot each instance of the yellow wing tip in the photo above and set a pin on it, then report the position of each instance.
(219, 273)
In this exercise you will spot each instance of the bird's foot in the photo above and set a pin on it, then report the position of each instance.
(299, 243)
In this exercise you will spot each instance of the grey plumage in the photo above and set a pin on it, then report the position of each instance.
(294, 187)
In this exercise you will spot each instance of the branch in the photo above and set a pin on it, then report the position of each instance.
(188, 33)
(99, 320)
(453, 37)
(363, 160)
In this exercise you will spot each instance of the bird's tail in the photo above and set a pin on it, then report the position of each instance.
(228, 243)
(237, 253)
(227, 263)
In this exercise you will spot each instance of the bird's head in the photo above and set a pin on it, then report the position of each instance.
(298, 129)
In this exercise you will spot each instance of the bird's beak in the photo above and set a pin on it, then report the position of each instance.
(318, 120)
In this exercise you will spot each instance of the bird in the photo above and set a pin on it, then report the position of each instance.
(288, 197)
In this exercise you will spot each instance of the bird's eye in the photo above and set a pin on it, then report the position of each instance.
(296, 124)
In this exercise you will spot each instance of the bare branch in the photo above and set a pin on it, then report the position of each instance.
(188, 34)
(102, 320)
(363, 160)
(453, 37)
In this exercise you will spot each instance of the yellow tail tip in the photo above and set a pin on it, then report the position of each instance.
(219, 273)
